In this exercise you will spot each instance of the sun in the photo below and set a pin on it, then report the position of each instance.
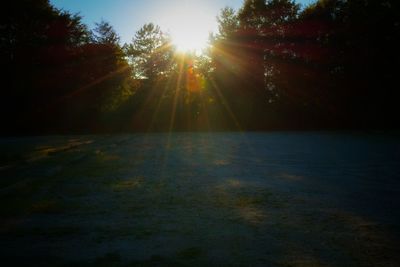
(189, 24)
(186, 38)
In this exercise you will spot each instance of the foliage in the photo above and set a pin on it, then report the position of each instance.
(269, 66)
(104, 33)
(228, 22)
(56, 78)
(330, 65)
(150, 52)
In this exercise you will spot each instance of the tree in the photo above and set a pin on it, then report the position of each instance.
(228, 22)
(36, 39)
(53, 76)
(104, 33)
(150, 52)
(361, 38)
(252, 14)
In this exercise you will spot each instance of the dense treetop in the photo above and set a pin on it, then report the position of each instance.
(271, 65)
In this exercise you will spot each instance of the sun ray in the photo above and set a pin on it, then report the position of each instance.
(225, 104)
(176, 95)
(160, 99)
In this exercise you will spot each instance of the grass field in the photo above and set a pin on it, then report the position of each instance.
(201, 199)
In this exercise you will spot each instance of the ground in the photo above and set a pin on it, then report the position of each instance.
(201, 199)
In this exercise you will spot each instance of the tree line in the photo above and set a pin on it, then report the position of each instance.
(271, 65)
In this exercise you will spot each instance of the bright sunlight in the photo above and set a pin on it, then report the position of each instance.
(185, 38)
(189, 24)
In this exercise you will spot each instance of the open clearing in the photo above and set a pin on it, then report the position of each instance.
(201, 199)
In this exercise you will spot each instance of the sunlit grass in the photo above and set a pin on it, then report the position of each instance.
(128, 184)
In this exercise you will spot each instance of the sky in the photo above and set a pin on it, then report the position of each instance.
(177, 17)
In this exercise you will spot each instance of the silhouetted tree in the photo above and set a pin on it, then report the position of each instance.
(228, 22)
(269, 66)
(329, 65)
(104, 33)
(150, 52)
(55, 78)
